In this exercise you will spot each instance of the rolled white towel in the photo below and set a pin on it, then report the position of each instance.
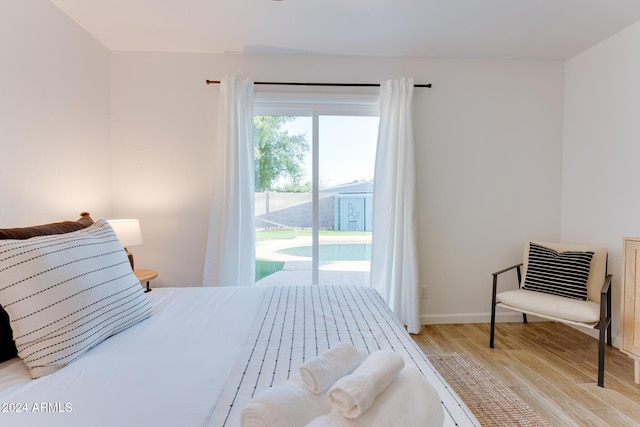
(289, 404)
(322, 371)
(409, 401)
(352, 394)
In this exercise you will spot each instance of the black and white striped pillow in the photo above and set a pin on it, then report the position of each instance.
(558, 273)
(67, 293)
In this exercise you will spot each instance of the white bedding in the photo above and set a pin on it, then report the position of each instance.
(202, 355)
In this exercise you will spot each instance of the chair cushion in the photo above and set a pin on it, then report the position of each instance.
(551, 305)
(558, 273)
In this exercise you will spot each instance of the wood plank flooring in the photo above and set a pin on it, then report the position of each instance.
(550, 366)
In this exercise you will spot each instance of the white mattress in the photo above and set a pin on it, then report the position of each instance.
(203, 354)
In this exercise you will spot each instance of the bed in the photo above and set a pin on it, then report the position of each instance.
(202, 355)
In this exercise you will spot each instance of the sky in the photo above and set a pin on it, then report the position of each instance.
(347, 147)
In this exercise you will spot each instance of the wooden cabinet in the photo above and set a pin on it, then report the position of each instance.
(630, 318)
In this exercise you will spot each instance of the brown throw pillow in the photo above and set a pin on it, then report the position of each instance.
(7, 346)
(47, 229)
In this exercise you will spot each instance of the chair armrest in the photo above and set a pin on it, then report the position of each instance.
(606, 285)
(506, 269)
(494, 294)
(604, 325)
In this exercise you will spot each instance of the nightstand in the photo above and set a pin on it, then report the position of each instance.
(146, 275)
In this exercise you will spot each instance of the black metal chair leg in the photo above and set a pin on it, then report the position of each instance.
(604, 331)
(493, 311)
(608, 316)
(601, 353)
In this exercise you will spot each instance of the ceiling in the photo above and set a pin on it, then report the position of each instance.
(496, 29)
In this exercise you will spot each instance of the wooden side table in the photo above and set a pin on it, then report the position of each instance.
(146, 275)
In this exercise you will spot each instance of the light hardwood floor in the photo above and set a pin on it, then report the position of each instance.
(550, 366)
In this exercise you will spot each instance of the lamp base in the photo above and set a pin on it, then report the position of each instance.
(130, 255)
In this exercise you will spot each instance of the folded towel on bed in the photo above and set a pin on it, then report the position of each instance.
(409, 401)
(321, 372)
(289, 404)
(352, 394)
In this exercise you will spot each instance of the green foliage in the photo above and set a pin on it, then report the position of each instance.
(266, 267)
(279, 156)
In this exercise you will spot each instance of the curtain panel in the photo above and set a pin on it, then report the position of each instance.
(394, 267)
(230, 255)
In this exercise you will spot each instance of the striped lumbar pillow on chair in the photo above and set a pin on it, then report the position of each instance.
(558, 273)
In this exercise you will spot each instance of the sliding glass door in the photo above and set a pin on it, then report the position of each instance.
(314, 184)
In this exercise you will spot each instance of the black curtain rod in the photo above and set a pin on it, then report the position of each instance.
(210, 82)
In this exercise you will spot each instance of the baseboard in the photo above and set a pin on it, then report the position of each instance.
(439, 319)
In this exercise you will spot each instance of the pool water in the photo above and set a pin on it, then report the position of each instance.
(333, 252)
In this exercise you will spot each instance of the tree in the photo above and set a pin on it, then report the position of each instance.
(279, 156)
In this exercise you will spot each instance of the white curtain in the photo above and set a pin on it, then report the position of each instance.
(394, 267)
(230, 256)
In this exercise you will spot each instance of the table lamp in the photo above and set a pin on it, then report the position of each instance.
(128, 232)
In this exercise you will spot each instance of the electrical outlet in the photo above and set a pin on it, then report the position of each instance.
(424, 291)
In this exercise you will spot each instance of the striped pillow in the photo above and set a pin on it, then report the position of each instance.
(558, 273)
(67, 293)
(7, 346)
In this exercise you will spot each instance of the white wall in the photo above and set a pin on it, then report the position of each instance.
(54, 117)
(131, 134)
(602, 148)
(489, 153)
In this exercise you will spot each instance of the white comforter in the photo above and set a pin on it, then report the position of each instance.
(182, 366)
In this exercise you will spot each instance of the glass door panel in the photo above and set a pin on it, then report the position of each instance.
(347, 149)
(283, 199)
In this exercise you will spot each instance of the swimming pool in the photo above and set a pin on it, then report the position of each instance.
(333, 252)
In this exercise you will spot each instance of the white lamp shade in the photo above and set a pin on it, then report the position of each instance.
(127, 230)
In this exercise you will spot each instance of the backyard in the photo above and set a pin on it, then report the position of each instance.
(286, 255)
(331, 190)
